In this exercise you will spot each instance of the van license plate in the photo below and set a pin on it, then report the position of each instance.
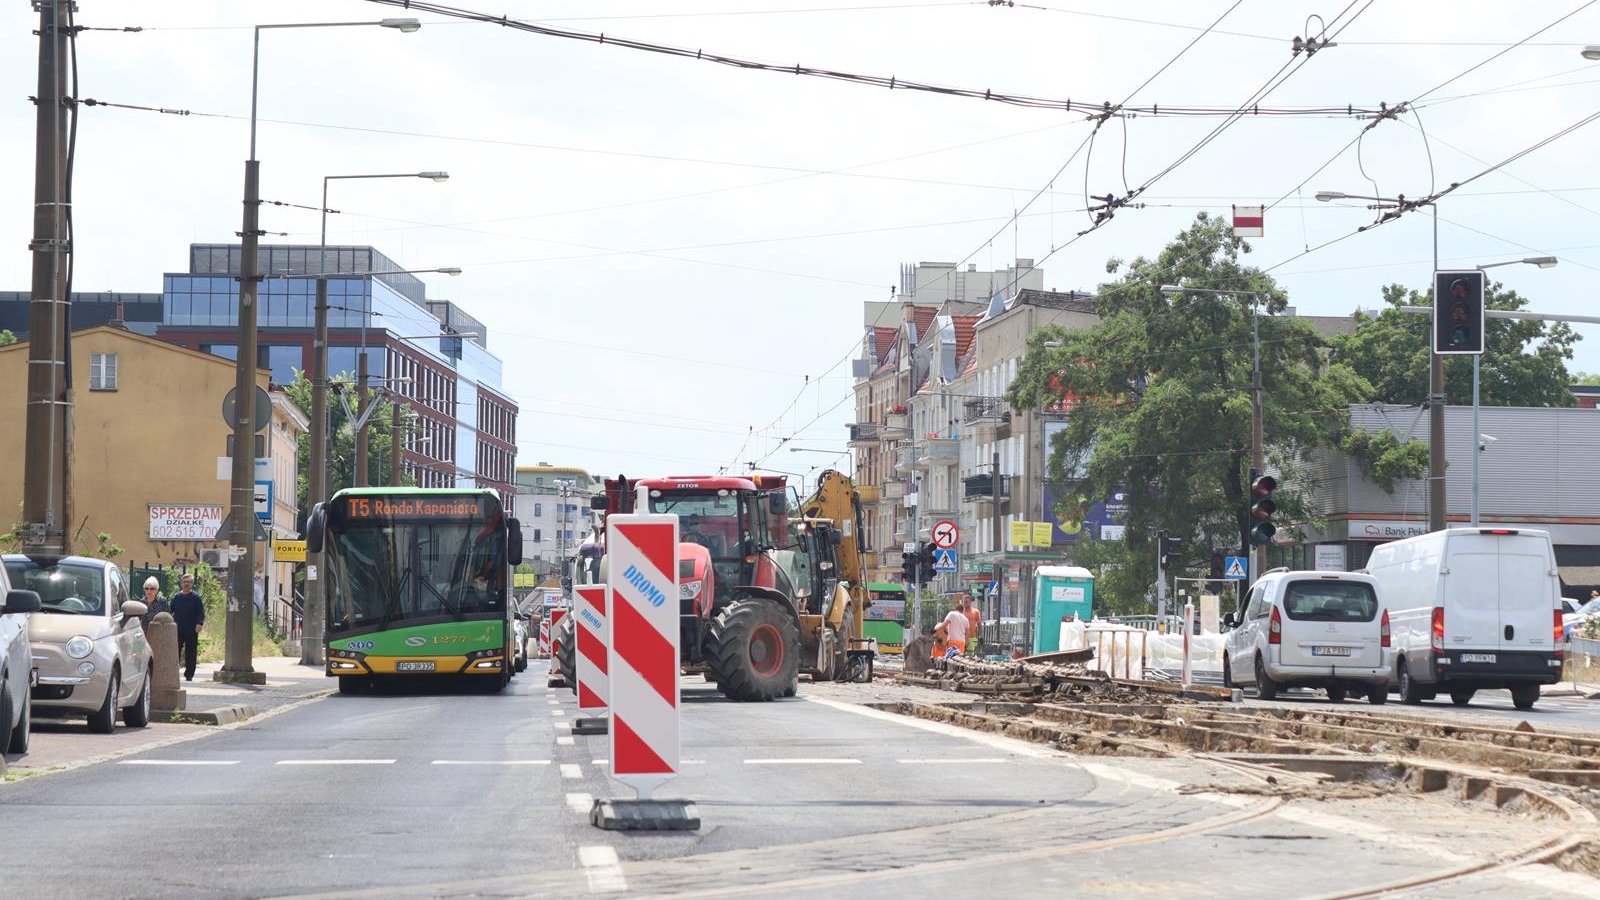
(1330, 651)
(417, 666)
(1478, 658)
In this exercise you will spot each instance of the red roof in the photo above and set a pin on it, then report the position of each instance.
(882, 340)
(966, 329)
(923, 316)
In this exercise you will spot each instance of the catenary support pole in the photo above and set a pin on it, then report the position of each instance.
(1436, 401)
(362, 399)
(47, 457)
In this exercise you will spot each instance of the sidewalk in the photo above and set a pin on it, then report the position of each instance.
(62, 744)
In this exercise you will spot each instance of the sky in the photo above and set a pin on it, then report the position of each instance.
(671, 256)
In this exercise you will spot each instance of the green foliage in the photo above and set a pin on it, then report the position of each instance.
(342, 453)
(6, 337)
(1385, 459)
(1524, 362)
(1588, 379)
(1158, 398)
(213, 593)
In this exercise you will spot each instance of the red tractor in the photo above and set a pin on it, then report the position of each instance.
(738, 623)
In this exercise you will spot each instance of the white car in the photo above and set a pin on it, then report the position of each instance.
(1325, 630)
(16, 666)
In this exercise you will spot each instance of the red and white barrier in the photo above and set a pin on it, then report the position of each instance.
(642, 648)
(544, 638)
(594, 684)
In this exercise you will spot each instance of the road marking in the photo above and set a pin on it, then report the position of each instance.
(803, 761)
(993, 742)
(552, 701)
(955, 760)
(178, 762)
(602, 869)
(682, 762)
(558, 712)
(491, 762)
(564, 741)
(580, 803)
(571, 770)
(334, 762)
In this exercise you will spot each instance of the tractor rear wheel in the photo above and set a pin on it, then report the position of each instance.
(755, 650)
(566, 639)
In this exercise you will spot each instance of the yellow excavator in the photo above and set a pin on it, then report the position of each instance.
(828, 544)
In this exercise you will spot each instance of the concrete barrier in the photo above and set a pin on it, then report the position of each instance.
(165, 695)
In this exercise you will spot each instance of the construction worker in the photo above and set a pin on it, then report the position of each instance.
(958, 627)
(941, 641)
(974, 621)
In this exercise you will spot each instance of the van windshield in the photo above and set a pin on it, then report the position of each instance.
(1330, 601)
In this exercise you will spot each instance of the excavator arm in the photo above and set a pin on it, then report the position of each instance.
(836, 501)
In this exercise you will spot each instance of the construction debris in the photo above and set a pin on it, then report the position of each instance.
(1052, 676)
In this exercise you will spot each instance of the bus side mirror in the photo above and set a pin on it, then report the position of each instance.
(316, 527)
(514, 542)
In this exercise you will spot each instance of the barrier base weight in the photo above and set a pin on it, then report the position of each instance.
(555, 681)
(589, 726)
(645, 815)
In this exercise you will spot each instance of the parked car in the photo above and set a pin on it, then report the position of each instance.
(88, 643)
(1325, 630)
(520, 653)
(1472, 608)
(1572, 621)
(16, 667)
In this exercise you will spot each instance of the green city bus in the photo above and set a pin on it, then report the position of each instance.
(886, 616)
(418, 583)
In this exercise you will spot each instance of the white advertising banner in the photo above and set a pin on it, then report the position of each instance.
(1330, 558)
(185, 521)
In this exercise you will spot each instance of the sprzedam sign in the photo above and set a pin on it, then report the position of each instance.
(185, 521)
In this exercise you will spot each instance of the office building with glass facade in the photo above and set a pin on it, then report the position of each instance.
(429, 353)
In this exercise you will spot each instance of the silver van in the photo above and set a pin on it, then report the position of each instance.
(1471, 609)
(1325, 630)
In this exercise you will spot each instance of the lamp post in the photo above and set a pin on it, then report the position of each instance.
(1543, 262)
(317, 477)
(238, 621)
(1257, 423)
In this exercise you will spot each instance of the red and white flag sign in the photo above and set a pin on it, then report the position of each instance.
(1249, 221)
(642, 648)
(589, 617)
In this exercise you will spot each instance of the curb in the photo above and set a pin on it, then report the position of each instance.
(223, 715)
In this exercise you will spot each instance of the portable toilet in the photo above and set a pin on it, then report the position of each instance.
(1061, 591)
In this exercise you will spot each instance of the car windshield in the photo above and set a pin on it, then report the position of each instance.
(1590, 608)
(1330, 601)
(64, 587)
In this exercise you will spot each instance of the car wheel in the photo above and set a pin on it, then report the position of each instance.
(1266, 688)
(1410, 693)
(104, 719)
(1227, 672)
(1463, 696)
(17, 742)
(1336, 695)
(138, 715)
(1378, 694)
(1523, 696)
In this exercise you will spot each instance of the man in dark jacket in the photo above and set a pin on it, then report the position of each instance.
(189, 611)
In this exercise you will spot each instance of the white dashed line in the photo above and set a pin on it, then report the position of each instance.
(803, 761)
(602, 869)
(334, 762)
(580, 803)
(565, 741)
(178, 762)
(491, 762)
(571, 770)
(558, 712)
(955, 761)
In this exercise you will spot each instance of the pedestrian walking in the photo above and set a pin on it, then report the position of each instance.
(153, 601)
(974, 622)
(189, 611)
(959, 628)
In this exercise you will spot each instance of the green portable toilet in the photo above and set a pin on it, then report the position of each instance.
(1061, 591)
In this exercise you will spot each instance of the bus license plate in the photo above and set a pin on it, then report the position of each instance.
(414, 666)
(1330, 651)
(1478, 658)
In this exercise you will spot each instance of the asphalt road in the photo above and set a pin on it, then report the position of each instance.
(1491, 709)
(460, 795)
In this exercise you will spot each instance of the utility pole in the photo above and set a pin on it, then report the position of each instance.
(999, 573)
(1257, 556)
(1161, 578)
(362, 399)
(394, 439)
(1436, 402)
(46, 488)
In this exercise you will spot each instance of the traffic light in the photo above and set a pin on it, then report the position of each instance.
(1170, 548)
(927, 562)
(1458, 314)
(908, 566)
(1216, 563)
(1261, 509)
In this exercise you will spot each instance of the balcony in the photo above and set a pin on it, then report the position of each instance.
(979, 490)
(864, 434)
(896, 427)
(905, 459)
(894, 490)
(983, 409)
(902, 532)
(939, 452)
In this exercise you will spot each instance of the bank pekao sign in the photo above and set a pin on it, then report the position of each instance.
(1384, 529)
(185, 521)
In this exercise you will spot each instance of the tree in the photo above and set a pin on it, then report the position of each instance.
(1524, 362)
(342, 453)
(1157, 397)
(6, 337)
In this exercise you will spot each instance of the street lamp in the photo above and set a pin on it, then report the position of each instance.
(1591, 52)
(1436, 397)
(238, 622)
(1543, 262)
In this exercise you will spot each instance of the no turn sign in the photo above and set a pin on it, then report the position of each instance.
(945, 534)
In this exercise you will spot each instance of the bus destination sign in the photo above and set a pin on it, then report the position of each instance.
(414, 509)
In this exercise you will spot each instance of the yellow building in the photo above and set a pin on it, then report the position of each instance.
(148, 440)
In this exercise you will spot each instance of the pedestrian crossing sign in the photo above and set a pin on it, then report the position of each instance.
(944, 560)
(1235, 569)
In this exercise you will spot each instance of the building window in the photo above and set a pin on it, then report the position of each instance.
(538, 511)
(102, 371)
(537, 535)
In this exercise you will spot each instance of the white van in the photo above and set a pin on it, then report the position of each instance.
(1324, 630)
(1472, 608)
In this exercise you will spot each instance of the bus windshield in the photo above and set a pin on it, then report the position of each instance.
(410, 557)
